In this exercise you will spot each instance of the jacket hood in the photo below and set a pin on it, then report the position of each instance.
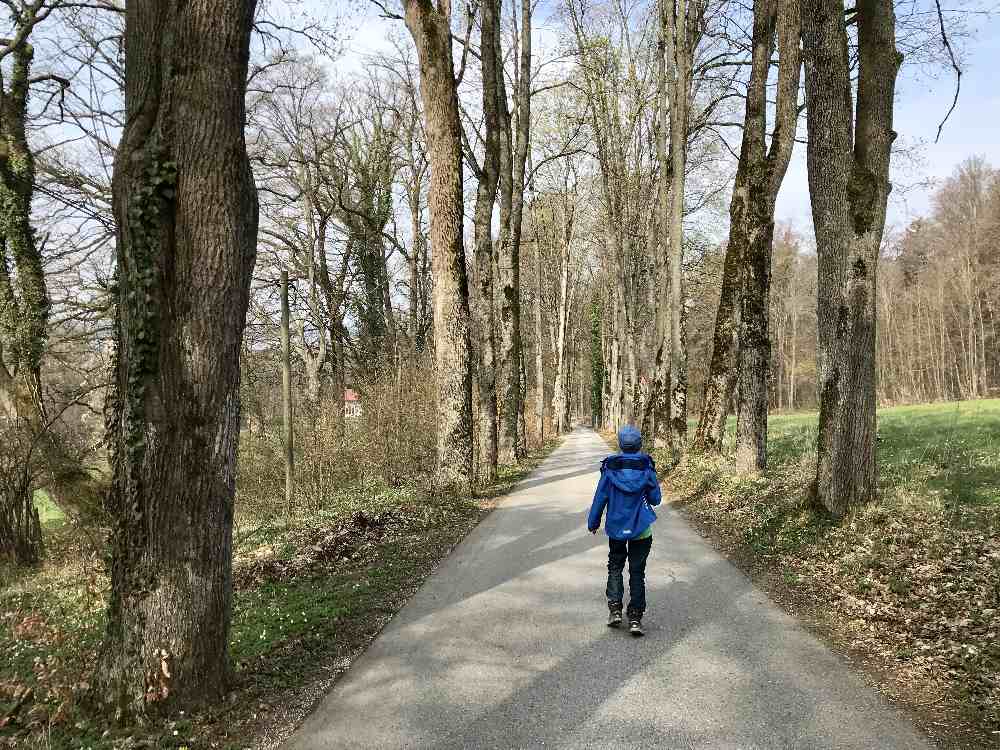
(629, 439)
(631, 480)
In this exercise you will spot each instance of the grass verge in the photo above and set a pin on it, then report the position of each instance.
(310, 595)
(907, 587)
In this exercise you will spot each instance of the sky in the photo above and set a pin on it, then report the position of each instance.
(921, 104)
(922, 101)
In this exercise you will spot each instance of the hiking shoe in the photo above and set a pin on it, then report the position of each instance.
(635, 627)
(614, 616)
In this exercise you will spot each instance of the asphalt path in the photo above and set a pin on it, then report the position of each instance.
(505, 646)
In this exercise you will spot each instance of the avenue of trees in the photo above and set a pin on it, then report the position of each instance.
(210, 241)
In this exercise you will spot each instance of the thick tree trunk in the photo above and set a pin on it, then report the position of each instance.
(755, 221)
(656, 418)
(509, 260)
(430, 27)
(484, 260)
(24, 297)
(24, 311)
(725, 343)
(754, 369)
(848, 189)
(186, 209)
(678, 53)
(741, 352)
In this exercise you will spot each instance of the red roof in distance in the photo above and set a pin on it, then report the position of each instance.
(350, 395)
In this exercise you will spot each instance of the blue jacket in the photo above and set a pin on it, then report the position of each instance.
(628, 487)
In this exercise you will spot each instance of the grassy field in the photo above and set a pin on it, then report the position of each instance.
(309, 594)
(910, 583)
(950, 452)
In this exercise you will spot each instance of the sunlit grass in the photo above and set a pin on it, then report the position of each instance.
(49, 513)
(947, 452)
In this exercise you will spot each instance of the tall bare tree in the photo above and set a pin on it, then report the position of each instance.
(683, 22)
(539, 344)
(741, 349)
(848, 163)
(563, 219)
(488, 174)
(766, 175)
(515, 145)
(25, 298)
(429, 24)
(186, 209)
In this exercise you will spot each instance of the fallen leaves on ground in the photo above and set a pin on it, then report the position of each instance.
(909, 585)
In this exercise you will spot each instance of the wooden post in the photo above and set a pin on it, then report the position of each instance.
(286, 395)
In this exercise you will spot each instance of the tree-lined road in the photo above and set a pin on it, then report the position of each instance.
(505, 647)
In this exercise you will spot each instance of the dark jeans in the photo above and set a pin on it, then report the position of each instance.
(635, 551)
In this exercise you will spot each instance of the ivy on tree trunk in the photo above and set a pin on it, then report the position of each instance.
(24, 309)
(186, 210)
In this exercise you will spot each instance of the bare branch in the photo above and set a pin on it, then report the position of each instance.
(954, 65)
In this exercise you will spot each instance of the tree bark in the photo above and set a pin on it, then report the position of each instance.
(24, 298)
(559, 392)
(486, 194)
(678, 54)
(848, 189)
(656, 416)
(721, 378)
(741, 341)
(539, 343)
(430, 27)
(24, 306)
(509, 253)
(186, 210)
(753, 217)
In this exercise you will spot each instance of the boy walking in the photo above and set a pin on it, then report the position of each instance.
(627, 488)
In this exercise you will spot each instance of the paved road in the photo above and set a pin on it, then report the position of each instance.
(505, 646)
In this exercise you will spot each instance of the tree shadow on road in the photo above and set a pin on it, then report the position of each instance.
(753, 696)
